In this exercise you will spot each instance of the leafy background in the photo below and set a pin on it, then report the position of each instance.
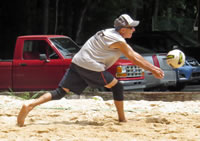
(80, 19)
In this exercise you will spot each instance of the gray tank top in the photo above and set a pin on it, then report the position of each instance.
(95, 54)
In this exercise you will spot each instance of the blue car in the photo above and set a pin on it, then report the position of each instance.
(189, 72)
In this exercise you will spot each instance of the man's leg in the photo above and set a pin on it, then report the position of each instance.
(117, 90)
(120, 110)
(26, 108)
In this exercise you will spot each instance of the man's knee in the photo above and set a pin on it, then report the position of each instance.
(58, 93)
(112, 83)
(118, 92)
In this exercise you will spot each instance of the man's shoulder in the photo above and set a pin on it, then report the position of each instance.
(112, 33)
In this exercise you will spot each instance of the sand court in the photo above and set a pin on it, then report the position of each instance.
(96, 120)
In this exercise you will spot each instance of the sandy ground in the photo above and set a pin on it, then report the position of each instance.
(96, 120)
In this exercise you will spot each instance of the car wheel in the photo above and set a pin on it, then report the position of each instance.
(178, 87)
(156, 89)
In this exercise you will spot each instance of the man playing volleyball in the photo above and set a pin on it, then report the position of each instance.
(89, 65)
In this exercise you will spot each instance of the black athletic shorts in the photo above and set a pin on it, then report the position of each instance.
(76, 79)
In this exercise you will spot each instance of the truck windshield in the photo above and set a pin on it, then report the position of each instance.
(66, 46)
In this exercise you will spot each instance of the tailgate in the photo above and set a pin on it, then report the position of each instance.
(5, 75)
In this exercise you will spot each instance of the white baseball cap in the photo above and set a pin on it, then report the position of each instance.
(125, 21)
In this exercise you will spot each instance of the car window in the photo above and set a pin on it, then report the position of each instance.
(141, 49)
(163, 44)
(156, 42)
(143, 41)
(184, 40)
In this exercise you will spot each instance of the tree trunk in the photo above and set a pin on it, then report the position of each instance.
(56, 23)
(155, 16)
(46, 16)
(82, 15)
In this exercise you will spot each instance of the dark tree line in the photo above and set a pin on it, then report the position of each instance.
(79, 19)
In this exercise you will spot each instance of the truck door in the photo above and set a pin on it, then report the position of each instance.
(31, 73)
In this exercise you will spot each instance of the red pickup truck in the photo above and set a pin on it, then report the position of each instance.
(40, 61)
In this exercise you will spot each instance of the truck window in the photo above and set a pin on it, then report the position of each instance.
(66, 46)
(33, 48)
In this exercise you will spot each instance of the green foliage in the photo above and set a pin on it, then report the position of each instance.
(28, 95)
(180, 8)
(69, 20)
(70, 93)
(11, 93)
(25, 95)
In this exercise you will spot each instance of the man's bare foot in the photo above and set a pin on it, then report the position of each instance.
(22, 114)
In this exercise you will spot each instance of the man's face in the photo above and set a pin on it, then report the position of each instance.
(127, 32)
